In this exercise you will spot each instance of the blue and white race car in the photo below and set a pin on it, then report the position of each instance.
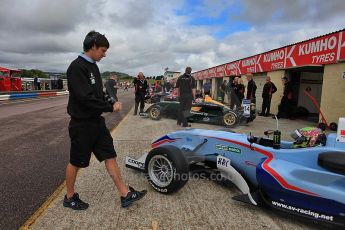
(288, 176)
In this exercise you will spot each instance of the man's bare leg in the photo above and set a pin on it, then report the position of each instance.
(71, 175)
(114, 172)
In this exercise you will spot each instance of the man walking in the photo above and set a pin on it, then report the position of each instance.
(87, 128)
(186, 89)
(223, 91)
(267, 92)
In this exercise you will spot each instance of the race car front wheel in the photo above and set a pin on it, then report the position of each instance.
(167, 169)
(155, 113)
(230, 119)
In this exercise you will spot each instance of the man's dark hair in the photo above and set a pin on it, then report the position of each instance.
(188, 70)
(95, 38)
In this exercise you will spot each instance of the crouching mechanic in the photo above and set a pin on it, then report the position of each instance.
(87, 129)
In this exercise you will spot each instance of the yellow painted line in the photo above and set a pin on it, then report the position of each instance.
(57, 193)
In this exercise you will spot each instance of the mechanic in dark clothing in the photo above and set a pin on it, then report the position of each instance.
(223, 90)
(186, 90)
(141, 87)
(237, 93)
(267, 92)
(87, 128)
(111, 88)
(286, 104)
(251, 89)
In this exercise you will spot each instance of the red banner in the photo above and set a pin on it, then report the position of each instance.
(232, 69)
(341, 46)
(319, 51)
(247, 65)
(220, 71)
(199, 75)
(204, 74)
(212, 72)
(326, 49)
(270, 61)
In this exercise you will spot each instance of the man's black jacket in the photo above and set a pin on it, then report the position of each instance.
(86, 97)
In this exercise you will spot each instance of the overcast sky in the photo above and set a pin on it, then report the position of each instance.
(150, 35)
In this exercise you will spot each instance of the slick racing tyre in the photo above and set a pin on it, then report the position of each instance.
(155, 112)
(230, 119)
(167, 169)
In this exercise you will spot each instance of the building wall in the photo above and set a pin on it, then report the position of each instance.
(333, 92)
(276, 79)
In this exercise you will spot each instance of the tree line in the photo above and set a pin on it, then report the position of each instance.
(31, 73)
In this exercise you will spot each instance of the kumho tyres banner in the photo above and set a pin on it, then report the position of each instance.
(272, 60)
(327, 49)
(248, 65)
(212, 72)
(232, 69)
(317, 51)
(220, 71)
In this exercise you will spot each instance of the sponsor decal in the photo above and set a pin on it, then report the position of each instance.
(228, 148)
(306, 212)
(163, 140)
(163, 190)
(222, 161)
(137, 163)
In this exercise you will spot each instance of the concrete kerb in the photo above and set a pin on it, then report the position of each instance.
(201, 204)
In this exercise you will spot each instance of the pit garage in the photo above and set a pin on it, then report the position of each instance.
(307, 79)
(316, 65)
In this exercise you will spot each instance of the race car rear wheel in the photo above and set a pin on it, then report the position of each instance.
(155, 113)
(167, 169)
(230, 119)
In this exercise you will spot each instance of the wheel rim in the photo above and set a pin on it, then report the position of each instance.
(160, 170)
(154, 112)
(229, 119)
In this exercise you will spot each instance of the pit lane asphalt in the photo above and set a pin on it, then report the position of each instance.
(34, 151)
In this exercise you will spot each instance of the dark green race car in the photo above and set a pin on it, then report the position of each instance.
(205, 111)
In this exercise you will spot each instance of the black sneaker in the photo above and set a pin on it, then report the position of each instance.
(132, 196)
(75, 203)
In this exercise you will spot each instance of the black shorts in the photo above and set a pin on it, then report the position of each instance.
(87, 136)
